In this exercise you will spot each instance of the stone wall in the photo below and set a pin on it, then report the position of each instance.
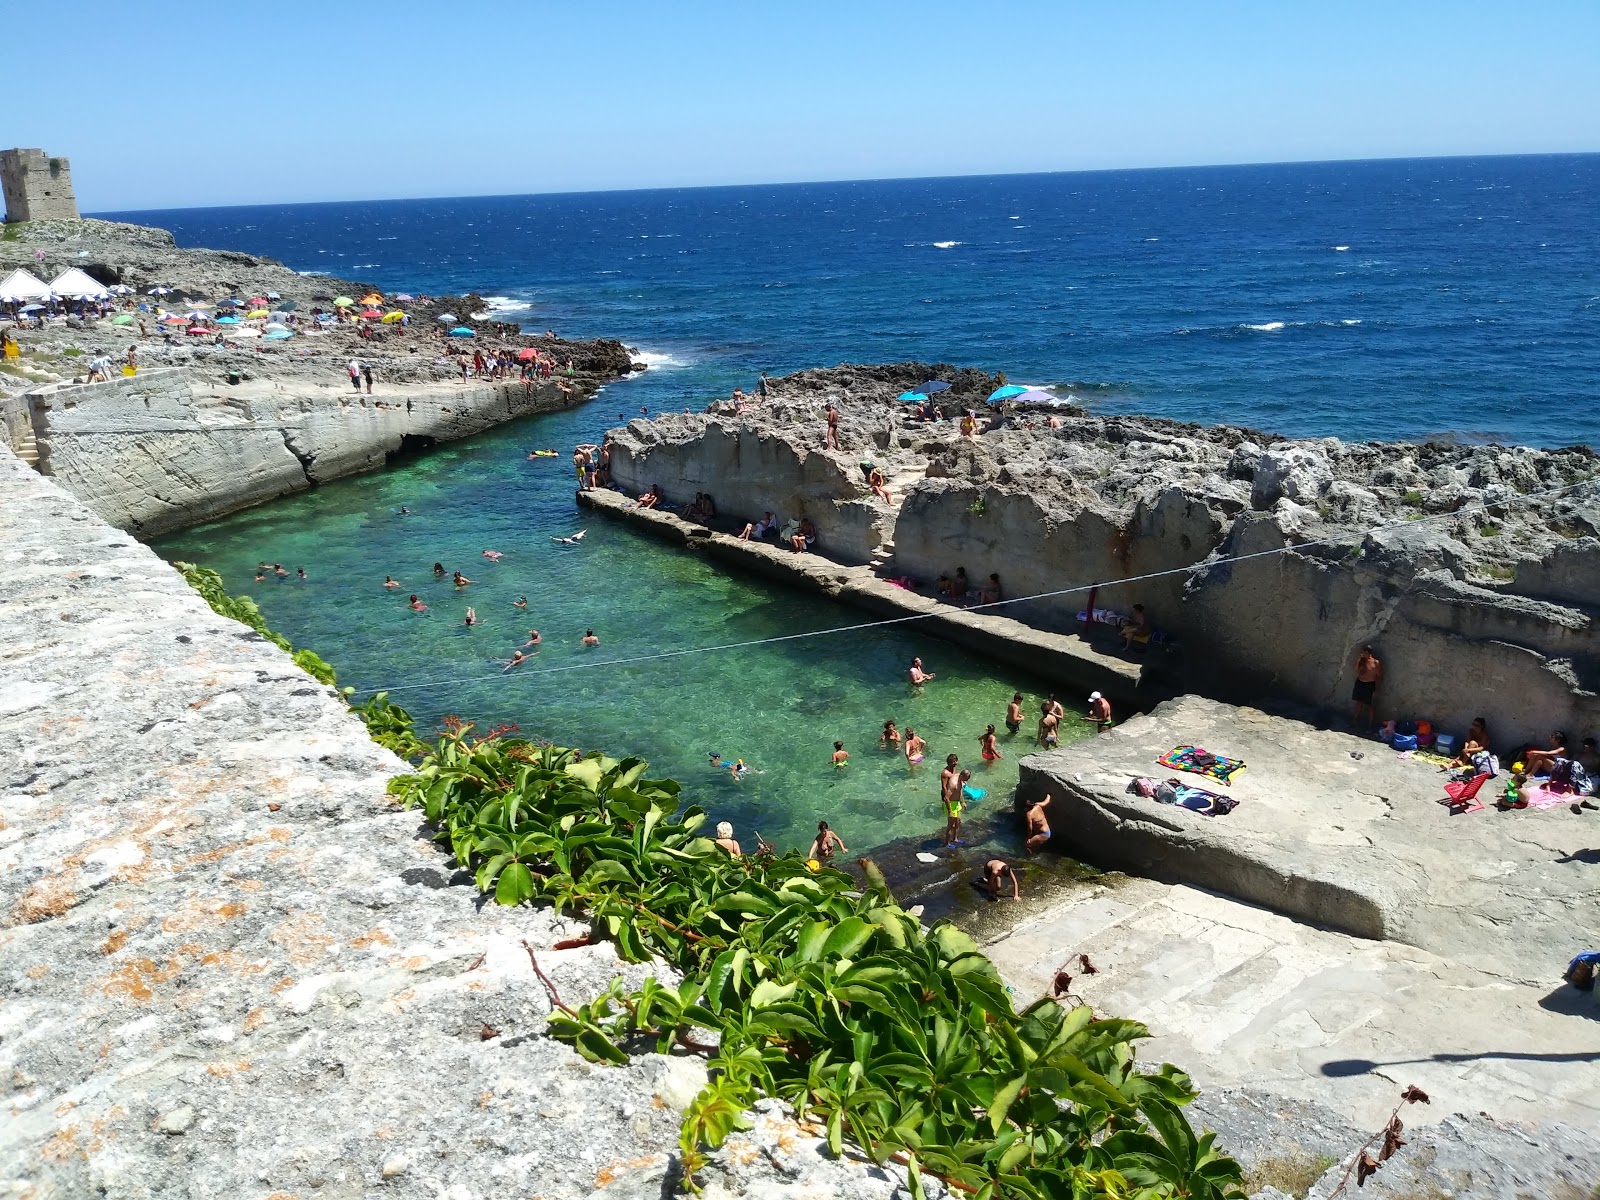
(156, 452)
(36, 186)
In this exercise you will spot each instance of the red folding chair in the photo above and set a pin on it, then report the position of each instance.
(1463, 796)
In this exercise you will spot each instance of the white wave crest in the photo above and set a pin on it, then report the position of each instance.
(1341, 247)
(505, 304)
(1265, 327)
(945, 245)
(657, 358)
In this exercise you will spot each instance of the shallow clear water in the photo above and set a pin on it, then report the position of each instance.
(779, 707)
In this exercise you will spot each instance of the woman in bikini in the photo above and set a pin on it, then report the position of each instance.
(915, 747)
(986, 744)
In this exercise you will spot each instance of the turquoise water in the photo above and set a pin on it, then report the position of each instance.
(779, 707)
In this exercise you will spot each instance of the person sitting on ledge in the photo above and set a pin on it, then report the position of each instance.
(1539, 762)
(989, 593)
(1476, 741)
(651, 498)
(805, 537)
(759, 530)
(1136, 629)
(879, 485)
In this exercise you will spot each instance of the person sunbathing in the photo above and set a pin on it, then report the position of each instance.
(879, 485)
(651, 498)
(805, 537)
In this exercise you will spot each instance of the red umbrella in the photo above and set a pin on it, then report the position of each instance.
(526, 353)
(258, 302)
(198, 331)
(372, 314)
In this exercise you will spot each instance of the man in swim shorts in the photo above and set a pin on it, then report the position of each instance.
(950, 783)
(840, 754)
(1014, 714)
(1038, 824)
(1369, 673)
(917, 675)
(1100, 711)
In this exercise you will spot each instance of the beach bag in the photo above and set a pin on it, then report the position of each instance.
(1406, 728)
(1405, 741)
(1143, 786)
(1581, 971)
(129, 369)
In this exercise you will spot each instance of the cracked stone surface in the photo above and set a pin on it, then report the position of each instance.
(1337, 830)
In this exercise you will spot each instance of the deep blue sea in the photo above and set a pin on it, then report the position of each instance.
(1389, 299)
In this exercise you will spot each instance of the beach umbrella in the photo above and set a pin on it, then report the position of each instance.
(158, 291)
(287, 306)
(174, 320)
(258, 301)
(227, 320)
(1005, 393)
(273, 325)
(198, 304)
(198, 331)
(462, 331)
(393, 318)
(1037, 396)
(196, 315)
(447, 317)
(526, 353)
(371, 314)
(404, 296)
(124, 319)
(273, 296)
(933, 386)
(30, 308)
(343, 302)
(912, 397)
(120, 289)
(256, 312)
(277, 335)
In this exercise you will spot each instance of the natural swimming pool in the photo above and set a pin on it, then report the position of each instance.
(779, 706)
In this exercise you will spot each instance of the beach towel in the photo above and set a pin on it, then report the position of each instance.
(1202, 762)
(1539, 795)
(1207, 804)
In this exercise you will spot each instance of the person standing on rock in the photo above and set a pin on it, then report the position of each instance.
(1369, 673)
(355, 373)
(831, 441)
(1100, 711)
(366, 375)
(950, 784)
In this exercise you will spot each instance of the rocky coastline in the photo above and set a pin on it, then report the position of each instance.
(210, 424)
(1264, 563)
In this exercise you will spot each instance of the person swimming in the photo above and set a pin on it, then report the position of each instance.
(417, 605)
(589, 638)
(571, 540)
(493, 555)
(390, 582)
(520, 602)
(461, 580)
(472, 616)
(738, 769)
(438, 570)
(840, 755)
(533, 639)
(915, 747)
(890, 737)
(517, 659)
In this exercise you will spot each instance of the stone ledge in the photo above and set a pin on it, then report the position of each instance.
(1055, 656)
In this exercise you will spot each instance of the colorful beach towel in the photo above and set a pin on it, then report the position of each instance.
(1206, 803)
(1202, 762)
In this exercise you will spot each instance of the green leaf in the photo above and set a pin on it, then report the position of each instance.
(1003, 1098)
(596, 1047)
(604, 870)
(812, 940)
(767, 992)
(515, 886)
(848, 936)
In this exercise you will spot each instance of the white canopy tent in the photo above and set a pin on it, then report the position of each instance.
(78, 285)
(20, 285)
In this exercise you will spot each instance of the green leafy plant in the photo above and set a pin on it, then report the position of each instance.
(1412, 499)
(902, 1040)
(977, 507)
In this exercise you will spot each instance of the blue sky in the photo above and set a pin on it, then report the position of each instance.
(232, 103)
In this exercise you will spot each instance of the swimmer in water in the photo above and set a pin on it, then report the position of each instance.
(403, 511)
(915, 747)
(438, 570)
(390, 582)
(493, 555)
(260, 577)
(826, 845)
(517, 659)
(840, 754)
(589, 638)
(1014, 714)
(520, 602)
(573, 540)
(533, 639)
(277, 569)
(472, 616)
(716, 759)
(417, 605)
(300, 572)
(890, 737)
(986, 744)
(461, 580)
(738, 769)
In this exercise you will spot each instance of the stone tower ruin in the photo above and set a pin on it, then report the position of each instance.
(37, 187)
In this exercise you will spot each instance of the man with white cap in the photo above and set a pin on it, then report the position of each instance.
(1100, 711)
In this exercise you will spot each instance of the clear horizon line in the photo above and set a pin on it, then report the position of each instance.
(701, 187)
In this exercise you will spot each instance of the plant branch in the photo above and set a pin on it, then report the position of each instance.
(555, 996)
